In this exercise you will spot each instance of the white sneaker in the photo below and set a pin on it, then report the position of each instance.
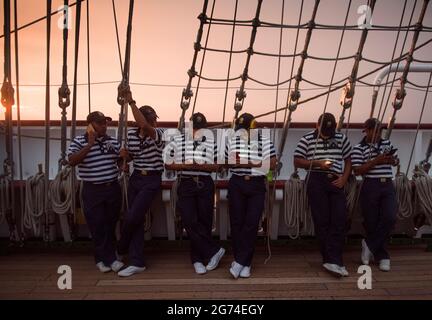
(131, 270)
(214, 261)
(116, 266)
(334, 269)
(384, 265)
(344, 271)
(102, 267)
(366, 254)
(199, 268)
(245, 273)
(235, 269)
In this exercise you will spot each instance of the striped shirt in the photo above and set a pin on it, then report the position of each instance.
(199, 151)
(255, 151)
(100, 163)
(145, 151)
(363, 152)
(336, 149)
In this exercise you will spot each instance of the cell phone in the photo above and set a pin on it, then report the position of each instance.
(392, 152)
(90, 128)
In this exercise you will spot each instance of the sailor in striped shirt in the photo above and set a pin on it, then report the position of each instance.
(325, 154)
(250, 156)
(195, 154)
(373, 158)
(144, 148)
(97, 155)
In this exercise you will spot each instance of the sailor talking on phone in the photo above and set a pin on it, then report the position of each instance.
(97, 156)
(373, 158)
(325, 154)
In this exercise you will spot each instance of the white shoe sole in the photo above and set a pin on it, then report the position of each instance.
(211, 268)
(234, 274)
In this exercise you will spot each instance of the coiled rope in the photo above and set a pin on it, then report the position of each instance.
(34, 203)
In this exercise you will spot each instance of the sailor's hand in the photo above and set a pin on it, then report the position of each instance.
(128, 97)
(124, 153)
(91, 138)
(324, 164)
(339, 182)
(384, 159)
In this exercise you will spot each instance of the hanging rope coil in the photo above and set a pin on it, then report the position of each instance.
(404, 195)
(423, 186)
(297, 216)
(34, 203)
(61, 190)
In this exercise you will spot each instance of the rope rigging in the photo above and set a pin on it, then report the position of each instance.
(18, 105)
(349, 90)
(63, 188)
(61, 197)
(394, 77)
(187, 92)
(122, 90)
(241, 93)
(401, 92)
(48, 217)
(7, 100)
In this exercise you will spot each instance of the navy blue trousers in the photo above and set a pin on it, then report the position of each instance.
(141, 192)
(329, 213)
(196, 203)
(246, 205)
(102, 204)
(379, 207)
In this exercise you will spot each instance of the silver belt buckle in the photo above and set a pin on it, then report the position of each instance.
(247, 178)
(143, 172)
(330, 175)
(383, 180)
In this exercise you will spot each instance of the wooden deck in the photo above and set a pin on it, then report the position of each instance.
(294, 272)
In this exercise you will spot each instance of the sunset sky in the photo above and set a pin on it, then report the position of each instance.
(162, 49)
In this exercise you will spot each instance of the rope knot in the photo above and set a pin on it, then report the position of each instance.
(295, 95)
(192, 73)
(311, 24)
(256, 22)
(203, 18)
(245, 76)
(304, 55)
(64, 96)
(250, 51)
(240, 94)
(122, 90)
(197, 46)
(298, 78)
(7, 94)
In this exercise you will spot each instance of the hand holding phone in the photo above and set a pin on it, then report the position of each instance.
(91, 133)
(391, 152)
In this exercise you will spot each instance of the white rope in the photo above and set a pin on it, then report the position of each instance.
(34, 203)
(403, 195)
(297, 216)
(61, 190)
(423, 187)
